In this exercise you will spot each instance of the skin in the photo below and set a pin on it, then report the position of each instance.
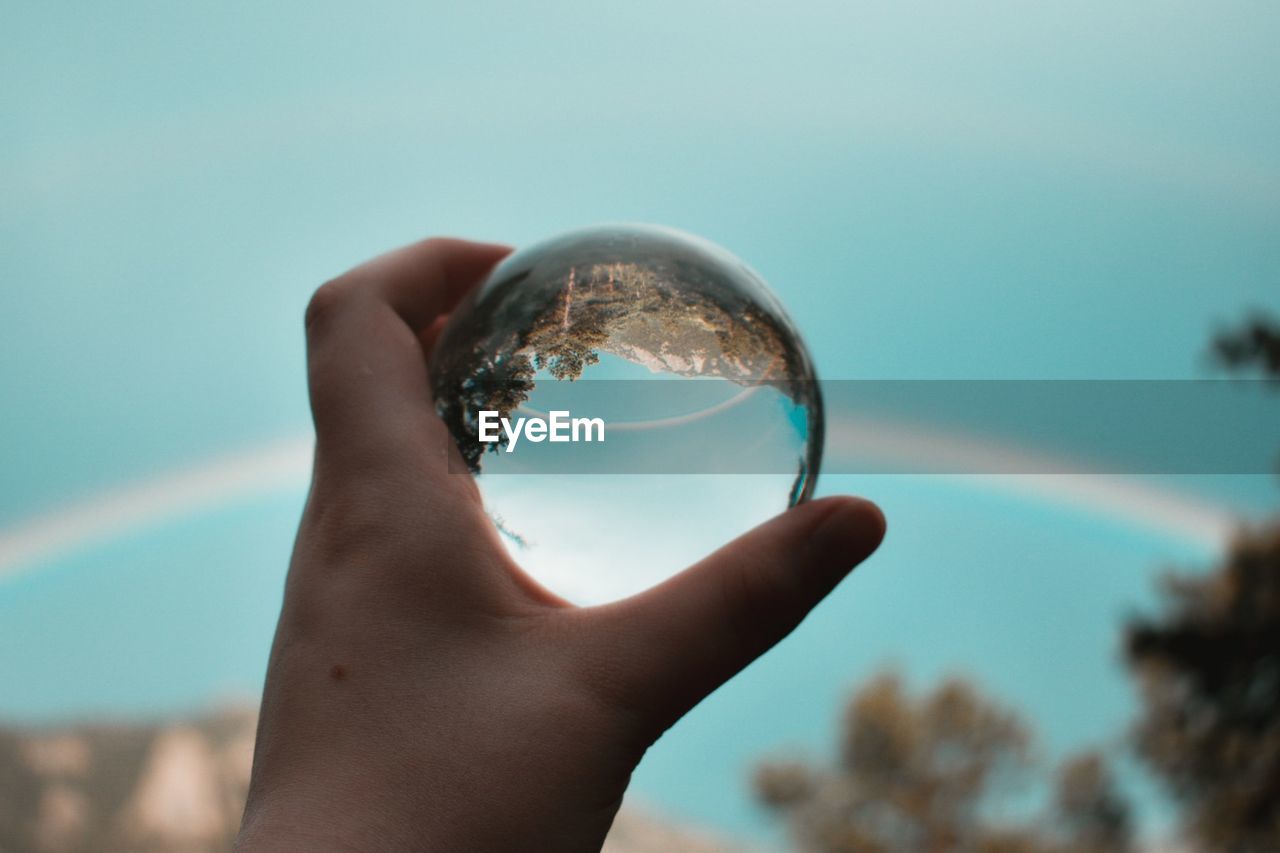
(423, 693)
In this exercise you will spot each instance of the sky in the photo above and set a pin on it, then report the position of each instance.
(942, 191)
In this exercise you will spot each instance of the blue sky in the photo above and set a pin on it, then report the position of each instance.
(972, 191)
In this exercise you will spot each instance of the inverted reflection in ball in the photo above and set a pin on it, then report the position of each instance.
(710, 419)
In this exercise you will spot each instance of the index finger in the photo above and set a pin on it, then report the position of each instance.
(367, 372)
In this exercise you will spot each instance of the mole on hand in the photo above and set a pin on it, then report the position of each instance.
(338, 672)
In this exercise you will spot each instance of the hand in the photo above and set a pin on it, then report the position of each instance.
(423, 693)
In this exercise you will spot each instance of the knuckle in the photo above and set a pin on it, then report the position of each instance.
(353, 515)
(328, 300)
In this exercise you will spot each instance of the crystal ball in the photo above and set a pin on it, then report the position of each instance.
(628, 398)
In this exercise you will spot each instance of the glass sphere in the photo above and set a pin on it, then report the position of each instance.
(678, 405)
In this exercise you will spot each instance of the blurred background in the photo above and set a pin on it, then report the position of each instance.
(989, 190)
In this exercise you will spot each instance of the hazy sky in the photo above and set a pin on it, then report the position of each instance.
(938, 190)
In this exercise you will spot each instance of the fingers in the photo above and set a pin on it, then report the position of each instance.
(366, 368)
(430, 336)
(687, 636)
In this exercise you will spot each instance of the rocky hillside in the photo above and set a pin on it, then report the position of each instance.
(175, 787)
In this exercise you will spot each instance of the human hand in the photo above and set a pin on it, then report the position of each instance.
(423, 693)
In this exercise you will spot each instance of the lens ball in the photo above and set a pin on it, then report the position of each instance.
(628, 398)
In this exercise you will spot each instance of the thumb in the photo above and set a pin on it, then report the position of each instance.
(684, 638)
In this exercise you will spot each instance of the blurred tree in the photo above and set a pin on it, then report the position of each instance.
(1089, 810)
(915, 774)
(1209, 667)
(1255, 343)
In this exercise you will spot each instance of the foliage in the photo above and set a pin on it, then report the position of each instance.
(671, 321)
(917, 774)
(1253, 344)
(1209, 666)
(913, 773)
